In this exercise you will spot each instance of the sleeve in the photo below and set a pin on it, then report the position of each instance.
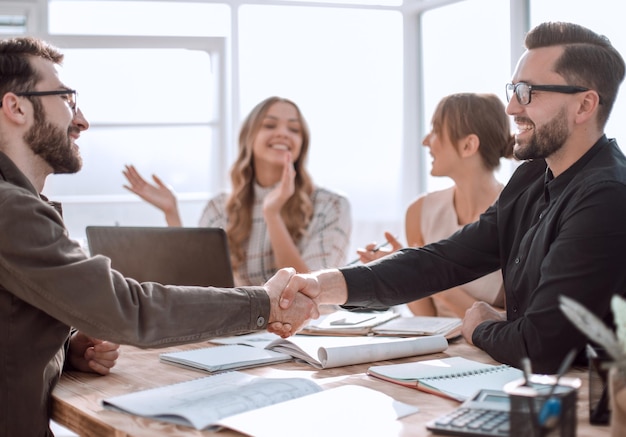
(214, 213)
(414, 273)
(42, 266)
(584, 261)
(328, 237)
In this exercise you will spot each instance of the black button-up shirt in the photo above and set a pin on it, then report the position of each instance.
(550, 236)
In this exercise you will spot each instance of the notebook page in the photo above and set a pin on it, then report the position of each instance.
(429, 368)
(464, 385)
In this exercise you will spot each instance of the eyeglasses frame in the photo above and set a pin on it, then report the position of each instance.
(563, 89)
(74, 107)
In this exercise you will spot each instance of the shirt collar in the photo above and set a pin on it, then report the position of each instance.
(555, 186)
(12, 174)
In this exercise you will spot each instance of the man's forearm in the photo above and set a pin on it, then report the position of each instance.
(333, 287)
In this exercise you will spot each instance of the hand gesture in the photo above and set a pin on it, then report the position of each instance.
(89, 354)
(372, 252)
(276, 198)
(286, 322)
(158, 195)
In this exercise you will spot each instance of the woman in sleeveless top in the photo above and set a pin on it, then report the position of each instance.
(470, 133)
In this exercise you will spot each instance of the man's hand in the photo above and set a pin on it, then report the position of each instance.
(323, 287)
(478, 313)
(306, 284)
(88, 354)
(287, 321)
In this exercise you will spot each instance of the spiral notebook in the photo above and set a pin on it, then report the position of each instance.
(455, 377)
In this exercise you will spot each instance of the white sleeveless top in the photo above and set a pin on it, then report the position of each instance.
(439, 221)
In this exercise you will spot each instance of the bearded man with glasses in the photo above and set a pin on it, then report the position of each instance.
(558, 227)
(56, 302)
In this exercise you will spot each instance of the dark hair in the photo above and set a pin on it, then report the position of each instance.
(484, 115)
(588, 60)
(16, 72)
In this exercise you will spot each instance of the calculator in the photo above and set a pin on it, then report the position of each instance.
(485, 414)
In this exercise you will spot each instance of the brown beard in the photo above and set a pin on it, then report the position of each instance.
(546, 140)
(52, 144)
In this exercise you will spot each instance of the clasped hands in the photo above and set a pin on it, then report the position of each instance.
(294, 301)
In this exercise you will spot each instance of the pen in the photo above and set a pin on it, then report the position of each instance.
(375, 249)
(527, 370)
(551, 408)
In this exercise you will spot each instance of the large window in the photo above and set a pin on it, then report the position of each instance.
(138, 116)
(154, 107)
(169, 94)
(157, 102)
(478, 61)
(347, 79)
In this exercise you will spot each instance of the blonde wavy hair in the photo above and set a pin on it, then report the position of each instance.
(298, 210)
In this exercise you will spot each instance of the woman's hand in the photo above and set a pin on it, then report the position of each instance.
(276, 199)
(373, 251)
(158, 195)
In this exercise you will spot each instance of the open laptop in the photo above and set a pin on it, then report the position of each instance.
(170, 256)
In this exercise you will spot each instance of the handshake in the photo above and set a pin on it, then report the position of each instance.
(295, 298)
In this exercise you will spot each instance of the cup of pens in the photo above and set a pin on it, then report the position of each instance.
(541, 406)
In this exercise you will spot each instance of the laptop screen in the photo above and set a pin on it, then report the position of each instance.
(170, 256)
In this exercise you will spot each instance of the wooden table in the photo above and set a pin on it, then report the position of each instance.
(77, 400)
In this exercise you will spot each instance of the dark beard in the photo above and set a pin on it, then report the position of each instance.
(546, 140)
(52, 144)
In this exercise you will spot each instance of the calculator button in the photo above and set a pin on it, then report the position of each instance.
(474, 421)
(504, 428)
(477, 424)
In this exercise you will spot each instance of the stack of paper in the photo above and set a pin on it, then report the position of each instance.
(348, 322)
(420, 325)
(382, 323)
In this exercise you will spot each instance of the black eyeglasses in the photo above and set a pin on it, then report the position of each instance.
(524, 91)
(70, 96)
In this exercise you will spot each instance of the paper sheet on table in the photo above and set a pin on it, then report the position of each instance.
(349, 410)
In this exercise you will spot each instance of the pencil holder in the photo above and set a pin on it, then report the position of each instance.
(535, 414)
(599, 400)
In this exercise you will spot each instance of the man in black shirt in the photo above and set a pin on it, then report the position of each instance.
(558, 228)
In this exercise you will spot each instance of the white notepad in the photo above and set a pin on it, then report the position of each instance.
(220, 358)
(455, 377)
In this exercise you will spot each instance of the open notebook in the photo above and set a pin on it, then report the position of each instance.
(171, 256)
(453, 377)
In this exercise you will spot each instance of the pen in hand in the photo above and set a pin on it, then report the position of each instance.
(375, 249)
